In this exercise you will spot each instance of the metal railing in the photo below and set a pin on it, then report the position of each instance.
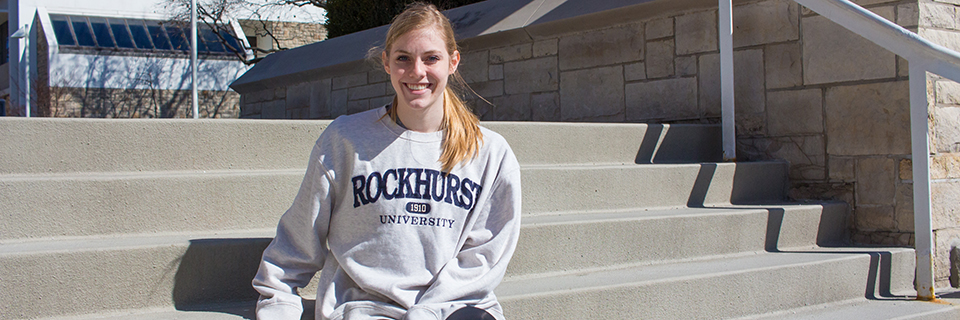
(923, 56)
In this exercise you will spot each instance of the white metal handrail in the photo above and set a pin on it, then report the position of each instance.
(923, 56)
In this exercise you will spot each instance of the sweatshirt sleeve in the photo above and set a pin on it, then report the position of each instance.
(481, 263)
(298, 250)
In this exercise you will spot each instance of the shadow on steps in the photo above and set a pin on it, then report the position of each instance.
(215, 275)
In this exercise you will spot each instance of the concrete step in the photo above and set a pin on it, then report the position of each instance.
(135, 145)
(56, 205)
(746, 285)
(186, 269)
(567, 242)
(901, 307)
(66, 205)
(59, 145)
(103, 274)
(709, 289)
(559, 143)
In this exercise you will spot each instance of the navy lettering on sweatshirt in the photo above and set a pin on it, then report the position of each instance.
(415, 183)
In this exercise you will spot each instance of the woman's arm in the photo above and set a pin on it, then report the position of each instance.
(299, 248)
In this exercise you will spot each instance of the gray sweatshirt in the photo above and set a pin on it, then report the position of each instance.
(392, 235)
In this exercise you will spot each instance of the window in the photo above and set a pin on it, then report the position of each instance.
(136, 35)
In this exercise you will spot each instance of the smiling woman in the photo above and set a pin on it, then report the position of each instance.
(408, 211)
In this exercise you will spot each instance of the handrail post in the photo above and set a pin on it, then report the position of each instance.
(923, 238)
(728, 119)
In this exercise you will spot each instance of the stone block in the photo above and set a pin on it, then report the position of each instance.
(545, 48)
(495, 72)
(594, 48)
(904, 207)
(298, 95)
(944, 196)
(350, 80)
(320, 99)
(868, 119)
(275, 109)
(748, 84)
(805, 155)
(943, 242)
(874, 218)
(666, 99)
(782, 65)
(795, 112)
(634, 71)
(488, 89)
(946, 38)
(473, 66)
(659, 61)
(381, 101)
(338, 103)
(511, 53)
(906, 169)
(956, 2)
(945, 166)
(946, 129)
(842, 168)
(686, 66)
(659, 28)
(948, 92)
(908, 15)
(380, 75)
(696, 32)
(935, 15)
(358, 106)
(592, 94)
(903, 67)
(876, 181)
(529, 76)
(367, 91)
(545, 106)
(510, 108)
(832, 53)
(765, 22)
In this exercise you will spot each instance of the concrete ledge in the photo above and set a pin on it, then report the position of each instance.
(48, 145)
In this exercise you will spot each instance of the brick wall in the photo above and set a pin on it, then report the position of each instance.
(832, 104)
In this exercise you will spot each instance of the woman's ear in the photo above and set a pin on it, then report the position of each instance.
(454, 61)
(383, 58)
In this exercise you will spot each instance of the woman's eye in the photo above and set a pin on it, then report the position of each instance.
(403, 58)
(433, 58)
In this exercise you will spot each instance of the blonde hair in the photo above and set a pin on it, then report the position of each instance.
(462, 136)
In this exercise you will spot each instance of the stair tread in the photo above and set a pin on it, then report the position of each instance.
(665, 272)
(124, 241)
(120, 241)
(903, 307)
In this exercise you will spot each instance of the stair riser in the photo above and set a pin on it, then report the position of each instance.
(134, 145)
(125, 145)
(83, 207)
(552, 143)
(721, 296)
(594, 244)
(560, 189)
(173, 202)
(82, 282)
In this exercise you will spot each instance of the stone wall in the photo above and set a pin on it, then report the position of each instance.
(273, 35)
(832, 104)
(939, 21)
(137, 103)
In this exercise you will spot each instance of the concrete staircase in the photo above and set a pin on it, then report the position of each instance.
(133, 219)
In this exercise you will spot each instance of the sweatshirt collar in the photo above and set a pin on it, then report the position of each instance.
(404, 133)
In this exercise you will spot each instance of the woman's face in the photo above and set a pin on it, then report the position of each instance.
(419, 65)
